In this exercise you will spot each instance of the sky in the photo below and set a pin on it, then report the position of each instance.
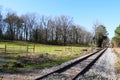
(84, 12)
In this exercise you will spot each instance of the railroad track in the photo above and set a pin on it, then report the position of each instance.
(78, 67)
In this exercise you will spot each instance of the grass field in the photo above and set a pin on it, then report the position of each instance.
(18, 46)
(16, 56)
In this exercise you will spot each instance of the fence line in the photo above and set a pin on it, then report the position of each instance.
(29, 48)
(17, 49)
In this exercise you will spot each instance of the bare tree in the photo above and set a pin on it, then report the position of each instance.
(94, 31)
(51, 28)
(1, 25)
(29, 23)
(65, 23)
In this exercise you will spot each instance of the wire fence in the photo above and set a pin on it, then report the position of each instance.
(23, 47)
(17, 49)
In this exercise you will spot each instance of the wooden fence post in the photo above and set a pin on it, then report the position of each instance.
(27, 48)
(5, 48)
(34, 48)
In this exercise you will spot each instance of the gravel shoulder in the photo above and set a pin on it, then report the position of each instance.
(104, 69)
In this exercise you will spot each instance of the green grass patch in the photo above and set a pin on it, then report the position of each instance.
(21, 47)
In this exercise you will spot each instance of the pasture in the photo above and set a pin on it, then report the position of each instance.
(17, 55)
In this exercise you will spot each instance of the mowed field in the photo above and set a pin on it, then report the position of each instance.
(17, 55)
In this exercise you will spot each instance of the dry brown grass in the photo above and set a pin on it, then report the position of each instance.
(117, 51)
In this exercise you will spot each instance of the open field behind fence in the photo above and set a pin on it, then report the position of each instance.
(33, 55)
(24, 47)
(11, 48)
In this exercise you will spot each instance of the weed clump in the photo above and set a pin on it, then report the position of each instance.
(38, 59)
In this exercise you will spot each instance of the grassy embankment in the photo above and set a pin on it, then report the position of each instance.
(117, 51)
(16, 57)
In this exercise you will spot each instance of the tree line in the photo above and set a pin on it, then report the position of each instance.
(60, 30)
(116, 38)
